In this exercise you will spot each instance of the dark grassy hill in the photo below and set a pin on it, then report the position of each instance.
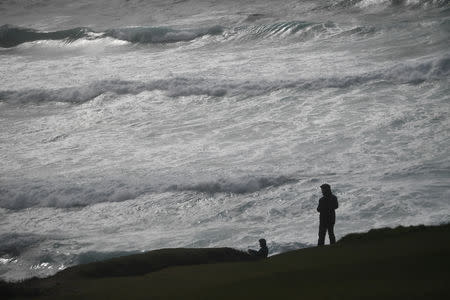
(400, 263)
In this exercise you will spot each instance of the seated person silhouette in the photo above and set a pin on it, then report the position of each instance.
(263, 250)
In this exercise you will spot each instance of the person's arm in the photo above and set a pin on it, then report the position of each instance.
(319, 207)
(252, 252)
(263, 252)
(336, 204)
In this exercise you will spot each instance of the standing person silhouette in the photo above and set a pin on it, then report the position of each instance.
(327, 204)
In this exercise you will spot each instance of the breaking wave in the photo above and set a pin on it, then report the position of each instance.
(11, 36)
(361, 4)
(241, 186)
(403, 73)
(66, 195)
(44, 194)
(147, 35)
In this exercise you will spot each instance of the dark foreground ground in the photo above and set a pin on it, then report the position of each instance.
(400, 263)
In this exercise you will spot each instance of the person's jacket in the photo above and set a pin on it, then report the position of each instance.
(263, 252)
(327, 205)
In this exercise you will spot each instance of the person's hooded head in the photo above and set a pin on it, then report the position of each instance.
(326, 189)
(262, 243)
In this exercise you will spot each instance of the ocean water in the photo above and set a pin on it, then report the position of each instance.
(128, 126)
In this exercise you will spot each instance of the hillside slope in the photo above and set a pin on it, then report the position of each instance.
(401, 263)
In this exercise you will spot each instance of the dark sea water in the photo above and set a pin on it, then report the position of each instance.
(129, 126)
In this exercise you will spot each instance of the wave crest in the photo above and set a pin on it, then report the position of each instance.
(240, 186)
(175, 87)
(63, 195)
(146, 35)
(11, 36)
(413, 4)
(402, 73)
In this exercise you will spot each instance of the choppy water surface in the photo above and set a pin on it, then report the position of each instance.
(132, 126)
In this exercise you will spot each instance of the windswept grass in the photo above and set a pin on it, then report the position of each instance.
(383, 233)
(400, 263)
(156, 260)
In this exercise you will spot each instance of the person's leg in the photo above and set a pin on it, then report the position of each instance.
(322, 232)
(331, 233)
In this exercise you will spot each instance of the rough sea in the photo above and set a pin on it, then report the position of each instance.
(131, 125)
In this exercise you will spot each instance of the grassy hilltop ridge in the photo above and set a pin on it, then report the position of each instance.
(401, 263)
